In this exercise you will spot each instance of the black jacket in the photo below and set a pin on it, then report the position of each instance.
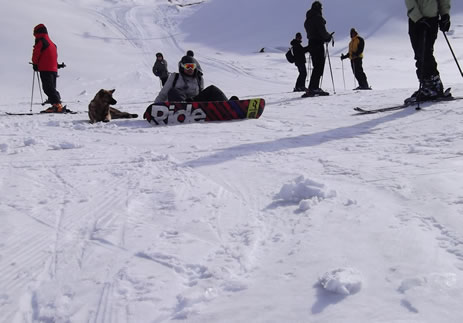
(315, 27)
(299, 52)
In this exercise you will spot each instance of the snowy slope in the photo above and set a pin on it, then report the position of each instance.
(308, 214)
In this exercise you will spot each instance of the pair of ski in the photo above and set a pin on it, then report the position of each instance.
(66, 111)
(445, 98)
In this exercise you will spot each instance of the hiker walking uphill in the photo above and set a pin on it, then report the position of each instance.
(45, 61)
(300, 60)
(425, 19)
(356, 47)
(160, 68)
(318, 36)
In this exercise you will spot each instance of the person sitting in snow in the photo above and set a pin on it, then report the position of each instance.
(160, 68)
(188, 85)
(356, 46)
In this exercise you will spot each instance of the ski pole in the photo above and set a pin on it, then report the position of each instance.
(331, 70)
(32, 94)
(451, 49)
(343, 77)
(40, 87)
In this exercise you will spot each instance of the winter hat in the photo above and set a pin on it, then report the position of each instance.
(353, 32)
(316, 5)
(159, 55)
(298, 35)
(190, 53)
(40, 29)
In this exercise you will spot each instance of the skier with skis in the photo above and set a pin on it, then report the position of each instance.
(160, 68)
(318, 36)
(300, 60)
(188, 85)
(425, 19)
(355, 54)
(45, 61)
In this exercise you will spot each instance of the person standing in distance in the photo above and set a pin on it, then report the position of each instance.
(356, 47)
(300, 60)
(45, 61)
(316, 33)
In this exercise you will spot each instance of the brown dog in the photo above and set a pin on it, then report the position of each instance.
(99, 109)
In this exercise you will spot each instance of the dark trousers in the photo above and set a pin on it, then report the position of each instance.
(211, 93)
(422, 39)
(357, 68)
(163, 80)
(300, 82)
(317, 53)
(49, 86)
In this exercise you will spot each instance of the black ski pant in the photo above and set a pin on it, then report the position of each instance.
(422, 39)
(49, 86)
(317, 53)
(300, 82)
(211, 93)
(357, 68)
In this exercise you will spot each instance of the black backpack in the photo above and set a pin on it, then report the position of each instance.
(290, 55)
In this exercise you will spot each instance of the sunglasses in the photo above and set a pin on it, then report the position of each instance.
(189, 66)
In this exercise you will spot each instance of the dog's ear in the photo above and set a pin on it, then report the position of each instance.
(101, 92)
(112, 91)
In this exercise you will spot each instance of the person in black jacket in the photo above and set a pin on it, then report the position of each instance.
(300, 60)
(316, 33)
(160, 68)
(356, 47)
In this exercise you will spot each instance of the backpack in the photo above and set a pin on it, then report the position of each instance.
(290, 55)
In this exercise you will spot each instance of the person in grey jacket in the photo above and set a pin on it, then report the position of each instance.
(188, 85)
(425, 19)
(160, 68)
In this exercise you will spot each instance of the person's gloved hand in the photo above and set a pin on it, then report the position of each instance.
(444, 23)
(35, 67)
(343, 57)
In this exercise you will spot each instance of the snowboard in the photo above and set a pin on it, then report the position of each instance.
(169, 113)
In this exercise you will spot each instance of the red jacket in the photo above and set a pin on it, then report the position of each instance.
(45, 54)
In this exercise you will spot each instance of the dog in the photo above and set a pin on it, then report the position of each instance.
(99, 108)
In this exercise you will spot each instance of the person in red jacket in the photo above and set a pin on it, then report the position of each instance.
(45, 61)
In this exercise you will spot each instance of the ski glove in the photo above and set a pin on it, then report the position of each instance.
(62, 65)
(35, 67)
(444, 23)
(343, 57)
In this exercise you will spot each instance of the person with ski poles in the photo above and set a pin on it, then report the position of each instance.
(318, 36)
(300, 60)
(45, 61)
(355, 54)
(426, 17)
(160, 68)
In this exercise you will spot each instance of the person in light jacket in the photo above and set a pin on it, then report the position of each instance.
(425, 19)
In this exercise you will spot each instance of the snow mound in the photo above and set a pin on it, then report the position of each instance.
(344, 281)
(304, 191)
(65, 145)
(432, 281)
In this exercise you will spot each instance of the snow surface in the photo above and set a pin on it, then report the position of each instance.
(308, 214)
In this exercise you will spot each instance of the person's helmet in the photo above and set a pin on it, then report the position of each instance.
(187, 62)
(159, 55)
(190, 53)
